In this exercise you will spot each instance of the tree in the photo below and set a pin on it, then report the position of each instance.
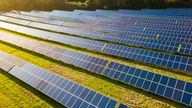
(155, 3)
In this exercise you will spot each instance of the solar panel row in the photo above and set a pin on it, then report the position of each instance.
(158, 12)
(170, 61)
(150, 20)
(163, 26)
(143, 21)
(157, 20)
(109, 13)
(147, 43)
(150, 32)
(143, 13)
(162, 31)
(36, 19)
(167, 87)
(167, 46)
(62, 90)
(145, 32)
(90, 63)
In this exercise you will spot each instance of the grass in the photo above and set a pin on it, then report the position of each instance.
(114, 89)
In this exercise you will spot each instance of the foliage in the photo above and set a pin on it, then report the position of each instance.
(7, 5)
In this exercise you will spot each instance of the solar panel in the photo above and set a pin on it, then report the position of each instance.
(170, 61)
(121, 14)
(84, 13)
(48, 27)
(156, 13)
(126, 74)
(159, 37)
(40, 14)
(154, 44)
(122, 106)
(141, 42)
(149, 20)
(18, 21)
(153, 57)
(81, 60)
(59, 13)
(8, 26)
(3, 17)
(29, 18)
(62, 90)
(169, 12)
(163, 29)
(20, 17)
(5, 66)
(186, 48)
(33, 32)
(151, 32)
(65, 39)
(167, 87)
(171, 20)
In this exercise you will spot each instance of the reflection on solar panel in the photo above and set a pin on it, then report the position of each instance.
(176, 62)
(142, 79)
(62, 90)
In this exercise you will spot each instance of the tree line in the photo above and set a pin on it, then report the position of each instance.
(7, 5)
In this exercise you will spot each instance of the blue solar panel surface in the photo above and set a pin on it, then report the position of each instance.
(119, 38)
(147, 81)
(62, 90)
(176, 62)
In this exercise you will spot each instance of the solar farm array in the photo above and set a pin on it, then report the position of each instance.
(156, 38)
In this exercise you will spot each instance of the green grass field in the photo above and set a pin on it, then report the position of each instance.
(15, 93)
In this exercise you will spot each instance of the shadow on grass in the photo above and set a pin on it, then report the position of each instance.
(32, 90)
(117, 83)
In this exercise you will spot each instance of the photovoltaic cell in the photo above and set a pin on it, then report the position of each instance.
(34, 18)
(165, 31)
(70, 57)
(186, 48)
(148, 81)
(176, 62)
(67, 93)
(148, 43)
(5, 66)
(167, 87)
(153, 57)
